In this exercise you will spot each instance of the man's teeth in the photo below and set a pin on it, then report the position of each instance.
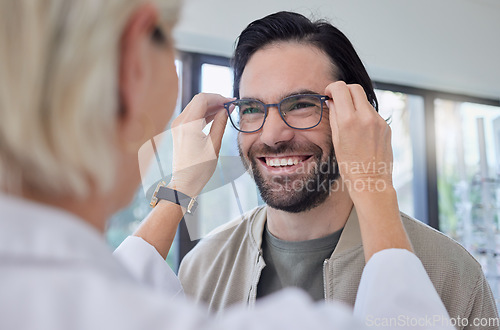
(282, 161)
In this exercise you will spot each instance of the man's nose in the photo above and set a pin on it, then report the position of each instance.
(275, 130)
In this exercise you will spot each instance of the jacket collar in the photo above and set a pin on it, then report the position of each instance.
(258, 225)
(349, 239)
(351, 235)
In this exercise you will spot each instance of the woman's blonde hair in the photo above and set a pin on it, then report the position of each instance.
(59, 63)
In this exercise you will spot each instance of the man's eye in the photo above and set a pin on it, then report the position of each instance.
(250, 110)
(301, 105)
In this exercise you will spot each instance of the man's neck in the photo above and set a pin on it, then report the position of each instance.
(318, 222)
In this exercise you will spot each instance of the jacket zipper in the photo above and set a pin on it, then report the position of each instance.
(325, 275)
(253, 289)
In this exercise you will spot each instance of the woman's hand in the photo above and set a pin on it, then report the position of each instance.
(196, 153)
(362, 139)
(194, 161)
(362, 142)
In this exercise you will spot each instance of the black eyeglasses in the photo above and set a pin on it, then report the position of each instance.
(302, 111)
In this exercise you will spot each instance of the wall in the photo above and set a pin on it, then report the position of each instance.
(447, 45)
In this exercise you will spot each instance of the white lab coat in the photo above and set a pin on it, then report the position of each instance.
(57, 273)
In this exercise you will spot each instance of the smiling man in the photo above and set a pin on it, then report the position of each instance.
(289, 73)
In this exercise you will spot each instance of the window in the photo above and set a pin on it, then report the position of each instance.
(468, 158)
(399, 109)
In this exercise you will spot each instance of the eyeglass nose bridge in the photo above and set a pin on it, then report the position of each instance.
(278, 107)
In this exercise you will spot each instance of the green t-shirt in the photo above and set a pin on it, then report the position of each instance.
(297, 264)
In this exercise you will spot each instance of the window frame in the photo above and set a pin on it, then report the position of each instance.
(191, 85)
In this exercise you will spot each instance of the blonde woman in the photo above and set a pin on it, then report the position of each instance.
(83, 84)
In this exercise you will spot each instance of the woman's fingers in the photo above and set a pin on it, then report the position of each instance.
(217, 130)
(341, 109)
(195, 153)
(342, 100)
(360, 136)
(203, 105)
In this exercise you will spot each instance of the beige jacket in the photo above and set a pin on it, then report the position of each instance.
(225, 267)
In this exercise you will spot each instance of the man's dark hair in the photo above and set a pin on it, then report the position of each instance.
(288, 26)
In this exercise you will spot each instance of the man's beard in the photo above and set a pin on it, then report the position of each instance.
(298, 192)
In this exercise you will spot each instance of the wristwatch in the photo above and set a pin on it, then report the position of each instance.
(174, 196)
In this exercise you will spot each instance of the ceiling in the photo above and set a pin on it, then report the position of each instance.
(447, 45)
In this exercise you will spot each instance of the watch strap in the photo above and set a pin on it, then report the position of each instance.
(176, 197)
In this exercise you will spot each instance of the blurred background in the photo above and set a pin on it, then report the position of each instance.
(435, 65)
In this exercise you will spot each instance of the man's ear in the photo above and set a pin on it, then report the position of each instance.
(133, 70)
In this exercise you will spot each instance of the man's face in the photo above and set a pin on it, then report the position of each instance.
(270, 75)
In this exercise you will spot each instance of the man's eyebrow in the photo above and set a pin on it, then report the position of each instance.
(298, 92)
(302, 91)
